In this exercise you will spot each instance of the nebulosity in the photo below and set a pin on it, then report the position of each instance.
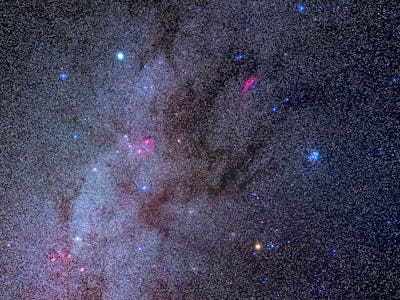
(181, 151)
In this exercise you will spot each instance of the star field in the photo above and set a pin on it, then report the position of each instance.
(208, 150)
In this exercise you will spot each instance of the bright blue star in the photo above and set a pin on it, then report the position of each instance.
(274, 109)
(314, 156)
(240, 57)
(63, 76)
(75, 136)
(334, 250)
(199, 9)
(394, 80)
(272, 246)
(301, 8)
(144, 187)
(287, 99)
(120, 56)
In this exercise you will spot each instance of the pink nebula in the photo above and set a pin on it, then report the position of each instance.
(248, 84)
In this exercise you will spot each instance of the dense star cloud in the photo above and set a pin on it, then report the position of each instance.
(208, 150)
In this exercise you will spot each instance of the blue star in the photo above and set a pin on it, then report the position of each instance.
(394, 80)
(265, 279)
(240, 57)
(120, 56)
(301, 8)
(272, 246)
(274, 109)
(257, 197)
(199, 9)
(273, 229)
(144, 187)
(63, 76)
(314, 156)
(334, 250)
(75, 136)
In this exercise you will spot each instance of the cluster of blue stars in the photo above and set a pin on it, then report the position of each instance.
(272, 246)
(314, 156)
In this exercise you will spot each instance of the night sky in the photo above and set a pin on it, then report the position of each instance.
(200, 150)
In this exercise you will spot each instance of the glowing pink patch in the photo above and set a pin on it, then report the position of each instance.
(66, 255)
(149, 144)
(81, 269)
(146, 147)
(142, 148)
(248, 84)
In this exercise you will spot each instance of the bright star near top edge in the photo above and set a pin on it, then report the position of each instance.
(120, 56)
(301, 8)
(314, 156)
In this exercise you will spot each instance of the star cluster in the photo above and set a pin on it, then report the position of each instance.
(223, 150)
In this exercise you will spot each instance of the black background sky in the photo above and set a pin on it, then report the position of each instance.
(231, 203)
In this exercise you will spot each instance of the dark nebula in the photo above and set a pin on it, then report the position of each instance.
(200, 150)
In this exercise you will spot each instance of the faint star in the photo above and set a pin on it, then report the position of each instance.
(265, 279)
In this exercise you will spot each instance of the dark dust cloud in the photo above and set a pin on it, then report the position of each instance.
(200, 150)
